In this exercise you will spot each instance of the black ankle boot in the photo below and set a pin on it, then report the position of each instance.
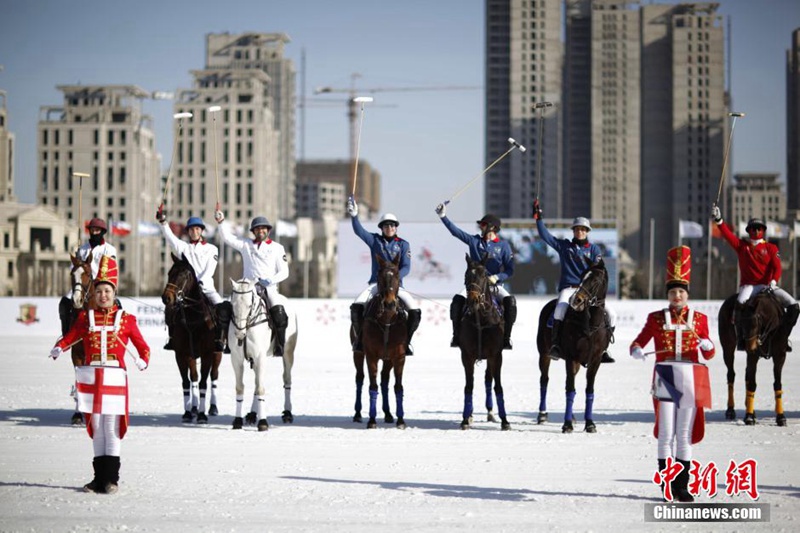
(555, 348)
(680, 490)
(509, 317)
(95, 484)
(414, 318)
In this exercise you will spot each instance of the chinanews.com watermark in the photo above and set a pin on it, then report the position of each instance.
(741, 481)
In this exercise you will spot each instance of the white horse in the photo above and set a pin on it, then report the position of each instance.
(250, 339)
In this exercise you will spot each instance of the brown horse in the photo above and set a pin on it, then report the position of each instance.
(481, 338)
(193, 325)
(384, 336)
(82, 292)
(585, 336)
(765, 335)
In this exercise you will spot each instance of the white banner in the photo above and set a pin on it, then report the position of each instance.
(689, 229)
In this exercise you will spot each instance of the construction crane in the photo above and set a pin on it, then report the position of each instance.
(352, 105)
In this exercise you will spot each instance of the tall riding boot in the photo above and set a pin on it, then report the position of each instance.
(224, 312)
(737, 315)
(456, 312)
(112, 473)
(555, 348)
(65, 314)
(509, 317)
(414, 318)
(357, 322)
(680, 484)
(606, 358)
(95, 484)
(280, 320)
(662, 465)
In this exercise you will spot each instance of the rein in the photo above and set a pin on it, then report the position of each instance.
(257, 308)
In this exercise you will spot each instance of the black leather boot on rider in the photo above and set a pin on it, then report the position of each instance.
(509, 317)
(224, 313)
(606, 357)
(737, 314)
(280, 320)
(456, 312)
(555, 347)
(65, 314)
(357, 322)
(414, 318)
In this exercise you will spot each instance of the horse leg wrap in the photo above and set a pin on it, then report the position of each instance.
(281, 320)
(398, 396)
(357, 321)
(568, 415)
(467, 405)
(456, 312)
(65, 314)
(501, 406)
(373, 403)
(509, 317)
(749, 402)
(778, 402)
(542, 398)
(589, 405)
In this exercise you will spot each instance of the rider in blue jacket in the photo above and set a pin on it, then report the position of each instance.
(576, 256)
(500, 267)
(388, 246)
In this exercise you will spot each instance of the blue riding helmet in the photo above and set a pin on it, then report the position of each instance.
(195, 222)
(260, 221)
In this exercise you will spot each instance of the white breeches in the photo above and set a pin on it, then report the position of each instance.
(274, 297)
(105, 439)
(675, 431)
(212, 295)
(748, 291)
(563, 305)
(372, 290)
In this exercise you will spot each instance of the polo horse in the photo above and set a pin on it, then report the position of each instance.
(384, 336)
(192, 321)
(251, 339)
(81, 280)
(765, 336)
(481, 339)
(585, 336)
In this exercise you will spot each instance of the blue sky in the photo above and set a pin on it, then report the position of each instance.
(426, 145)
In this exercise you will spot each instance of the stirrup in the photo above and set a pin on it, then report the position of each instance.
(168, 345)
(507, 344)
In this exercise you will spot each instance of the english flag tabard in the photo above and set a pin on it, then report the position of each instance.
(102, 390)
(684, 383)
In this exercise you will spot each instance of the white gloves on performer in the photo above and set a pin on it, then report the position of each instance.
(141, 364)
(638, 353)
(441, 210)
(352, 207)
(55, 352)
(716, 214)
(493, 279)
(706, 345)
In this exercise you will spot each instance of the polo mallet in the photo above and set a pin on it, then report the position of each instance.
(359, 100)
(80, 176)
(213, 110)
(514, 144)
(179, 117)
(727, 151)
(541, 107)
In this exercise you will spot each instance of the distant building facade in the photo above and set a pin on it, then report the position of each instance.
(793, 125)
(756, 195)
(6, 154)
(320, 181)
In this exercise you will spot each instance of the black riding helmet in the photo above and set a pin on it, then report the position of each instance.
(492, 222)
(756, 223)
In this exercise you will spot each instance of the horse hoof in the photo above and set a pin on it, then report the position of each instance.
(213, 411)
(372, 424)
(590, 427)
(505, 426)
(464, 424)
(401, 424)
(77, 419)
(730, 414)
(187, 416)
(287, 417)
(202, 418)
(781, 420)
(567, 428)
(490, 417)
(750, 419)
(542, 418)
(357, 418)
(238, 422)
(389, 419)
(250, 418)
(262, 425)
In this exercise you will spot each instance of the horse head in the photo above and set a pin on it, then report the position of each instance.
(592, 290)
(760, 318)
(476, 281)
(244, 302)
(181, 283)
(81, 278)
(388, 281)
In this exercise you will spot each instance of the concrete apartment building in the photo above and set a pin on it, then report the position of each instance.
(100, 130)
(6, 154)
(324, 185)
(793, 126)
(524, 57)
(756, 194)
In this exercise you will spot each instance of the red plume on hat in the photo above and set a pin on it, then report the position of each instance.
(107, 272)
(679, 267)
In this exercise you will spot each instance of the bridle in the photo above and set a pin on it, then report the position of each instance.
(256, 309)
(80, 290)
(388, 288)
(584, 297)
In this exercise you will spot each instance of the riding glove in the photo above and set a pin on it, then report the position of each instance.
(638, 353)
(441, 210)
(161, 216)
(716, 214)
(141, 364)
(493, 279)
(219, 217)
(55, 352)
(537, 210)
(352, 206)
(773, 284)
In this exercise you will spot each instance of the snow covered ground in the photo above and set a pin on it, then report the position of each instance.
(326, 473)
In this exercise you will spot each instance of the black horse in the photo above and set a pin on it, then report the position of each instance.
(193, 327)
(384, 337)
(765, 335)
(481, 338)
(585, 336)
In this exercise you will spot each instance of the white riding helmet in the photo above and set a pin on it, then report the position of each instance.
(388, 217)
(581, 221)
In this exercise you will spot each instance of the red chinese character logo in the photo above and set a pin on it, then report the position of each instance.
(666, 476)
(703, 479)
(741, 478)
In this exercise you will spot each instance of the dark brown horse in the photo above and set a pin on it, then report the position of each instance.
(481, 338)
(384, 338)
(584, 335)
(82, 299)
(192, 322)
(765, 335)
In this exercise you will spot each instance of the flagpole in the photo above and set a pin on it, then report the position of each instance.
(708, 263)
(652, 247)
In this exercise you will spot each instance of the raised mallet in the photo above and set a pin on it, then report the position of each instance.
(358, 100)
(213, 110)
(514, 144)
(80, 176)
(735, 115)
(179, 117)
(541, 107)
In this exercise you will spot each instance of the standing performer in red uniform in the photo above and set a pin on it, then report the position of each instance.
(105, 332)
(680, 334)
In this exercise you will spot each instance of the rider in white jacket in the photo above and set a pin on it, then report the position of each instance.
(263, 260)
(203, 257)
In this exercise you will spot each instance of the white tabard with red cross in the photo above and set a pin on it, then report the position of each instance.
(102, 390)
